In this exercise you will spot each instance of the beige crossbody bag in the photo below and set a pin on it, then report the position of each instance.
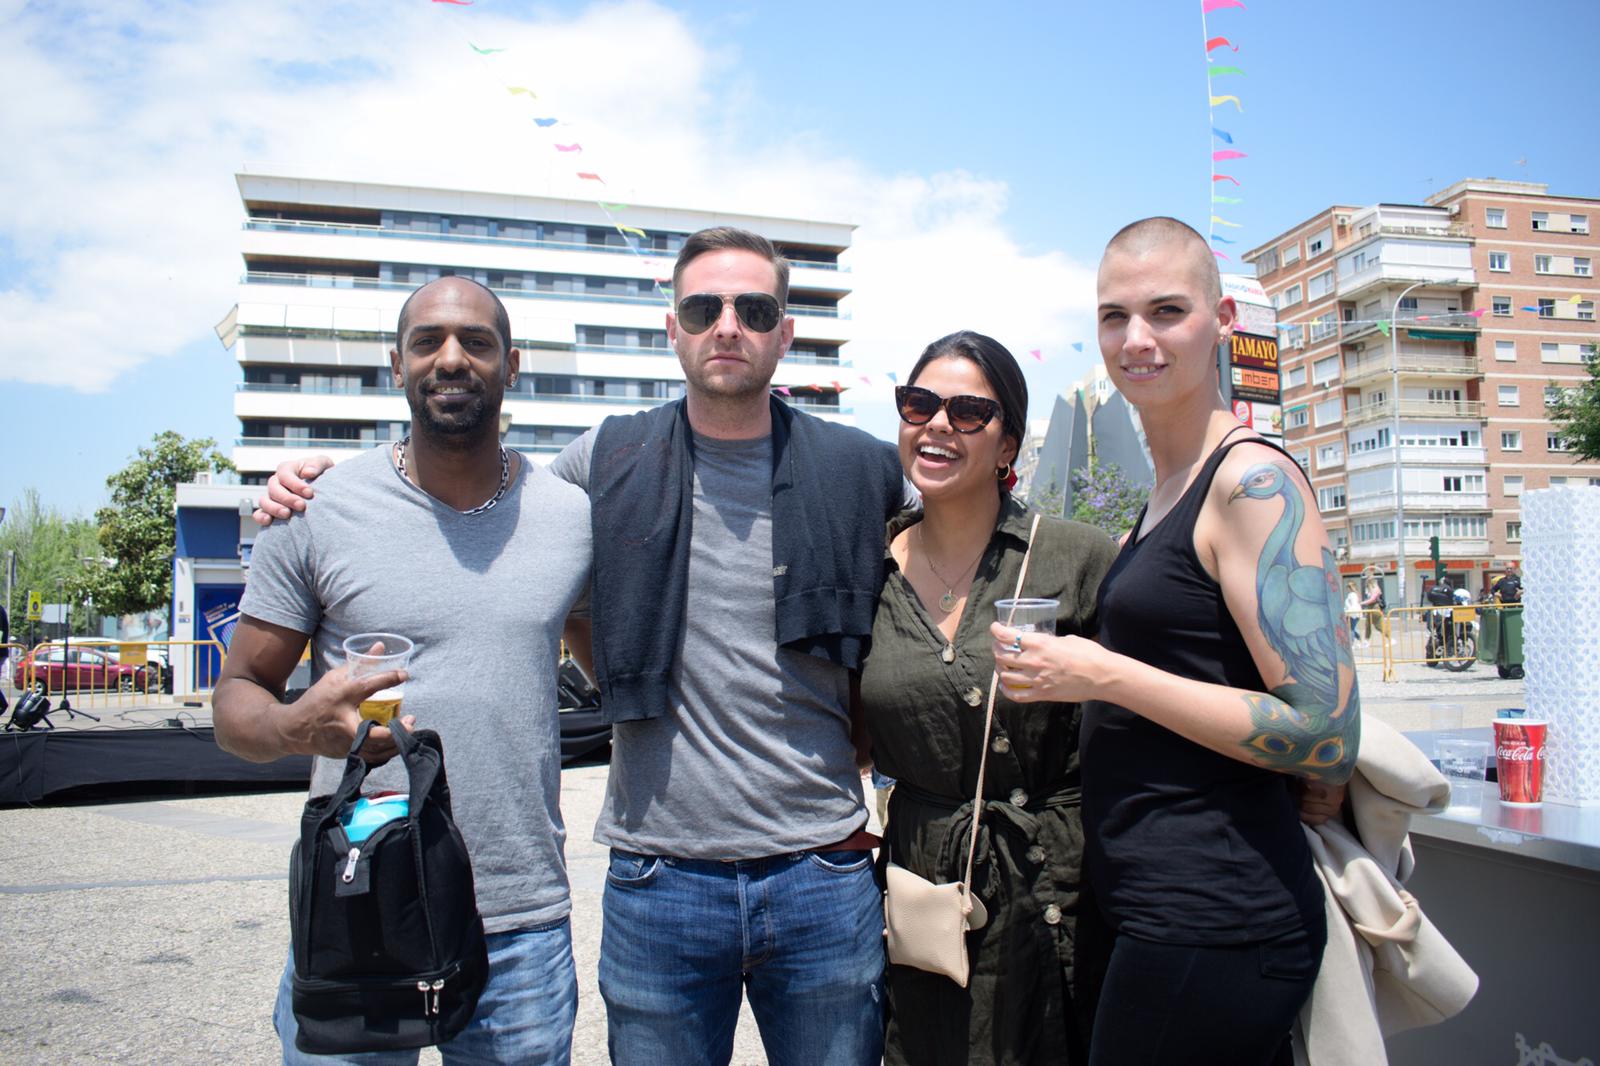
(928, 923)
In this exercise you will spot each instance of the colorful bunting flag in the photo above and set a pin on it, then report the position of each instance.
(1037, 354)
(1218, 101)
(1535, 310)
(569, 147)
(893, 379)
(1479, 313)
(1219, 220)
(1217, 72)
(1575, 298)
(1220, 42)
(544, 123)
(518, 90)
(785, 390)
(458, 3)
(1223, 135)
(1218, 254)
(485, 51)
(1227, 153)
(613, 207)
(1077, 346)
(584, 175)
(1226, 199)
(1224, 177)
(635, 230)
(1224, 240)
(1217, 5)
(1383, 326)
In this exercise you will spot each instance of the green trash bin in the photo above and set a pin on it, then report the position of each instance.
(1508, 657)
(1489, 619)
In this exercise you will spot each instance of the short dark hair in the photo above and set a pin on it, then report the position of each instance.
(1141, 236)
(719, 238)
(502, 319)
(999, 368)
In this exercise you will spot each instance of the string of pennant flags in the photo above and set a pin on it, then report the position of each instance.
(1219, 199)
(632, 236)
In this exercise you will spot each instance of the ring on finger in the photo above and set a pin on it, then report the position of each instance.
(1016, 645)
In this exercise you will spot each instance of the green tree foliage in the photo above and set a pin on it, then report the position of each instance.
(138, 530)
(1102, 497)
(50, 549)
(1577, 413)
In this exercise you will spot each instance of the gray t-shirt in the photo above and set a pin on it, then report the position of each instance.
(754, 755)
(484, 597)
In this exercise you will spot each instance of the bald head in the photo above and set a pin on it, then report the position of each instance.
(1165, 236)
(502, 320)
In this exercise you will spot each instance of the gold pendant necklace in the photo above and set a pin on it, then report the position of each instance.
(948, 601)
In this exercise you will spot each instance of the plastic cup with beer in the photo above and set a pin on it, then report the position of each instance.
(1519, 760)
(1028, 616)
(1463, 762)
(376, 653)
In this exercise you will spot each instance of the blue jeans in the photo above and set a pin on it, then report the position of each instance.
(525, 1014)
(684, 939)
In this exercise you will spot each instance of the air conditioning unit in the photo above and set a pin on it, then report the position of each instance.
(1453, 210)
(1341, 220)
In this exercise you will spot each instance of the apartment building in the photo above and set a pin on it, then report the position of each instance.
(1437, 328)
(327, 264)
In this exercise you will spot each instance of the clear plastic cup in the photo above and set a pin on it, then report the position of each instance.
(1464, 762)
(374, 653)
(1028, 616)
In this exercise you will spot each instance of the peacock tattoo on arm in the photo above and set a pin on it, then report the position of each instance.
(1310, 725)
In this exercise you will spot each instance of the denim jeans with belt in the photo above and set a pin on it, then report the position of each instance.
(685, 939)
(525, 1014)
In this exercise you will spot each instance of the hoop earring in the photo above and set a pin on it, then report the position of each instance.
(1003, 472)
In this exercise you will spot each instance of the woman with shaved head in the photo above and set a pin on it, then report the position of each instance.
(1220, 683)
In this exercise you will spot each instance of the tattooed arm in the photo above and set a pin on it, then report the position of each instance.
(1260, 536)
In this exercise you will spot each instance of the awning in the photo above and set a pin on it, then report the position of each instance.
(1431, 335)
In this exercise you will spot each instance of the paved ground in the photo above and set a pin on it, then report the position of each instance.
(154, 931)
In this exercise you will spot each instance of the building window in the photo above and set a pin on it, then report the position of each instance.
(1511, 440)
(1452, 484)
(1505, 351)
(1549, 352)
(1324, 326)
(1318, 243)
(1506, 396)
(1408, 303)
(1514, 532)
(1581, 266)
(1585, 310)
(1328, 411)
(1547, 308)
(1578, 223)
(1304, 460)
(1290, 253)
(1494, 217)
(1330, 455)
(1553, 394)
(1554, 443)
(1288, 297)
(1331, 498)
(1292, 336)
(1294, 377)
(1541, 264)
(1502, 305)
(1319, 286)
(1267, 263)
(1513, 485)
(1541, 220)
(1500, 261)
(1298, 417)
(1325, 370)
(1465, 525)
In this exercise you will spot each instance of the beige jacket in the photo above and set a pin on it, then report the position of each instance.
(1386, 968)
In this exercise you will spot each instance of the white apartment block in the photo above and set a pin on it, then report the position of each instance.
(328, 263)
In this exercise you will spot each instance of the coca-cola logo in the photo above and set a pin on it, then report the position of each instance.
(1521, 753)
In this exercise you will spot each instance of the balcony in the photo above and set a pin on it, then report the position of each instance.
(349, 229)
(346, 281)
(1444, 409)
(1446, 502)
(1416, 456)
(1452, 322)
(1414, 365)
(1417, 548)
(1387, 273)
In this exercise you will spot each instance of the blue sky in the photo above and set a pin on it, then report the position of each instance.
(985, 155)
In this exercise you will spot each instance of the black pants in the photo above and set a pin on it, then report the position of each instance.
(1168, 1004)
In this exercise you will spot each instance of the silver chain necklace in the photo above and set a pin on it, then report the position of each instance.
(948, 601)
(505, 474)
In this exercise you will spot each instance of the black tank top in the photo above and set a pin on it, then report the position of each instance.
(1183, 845)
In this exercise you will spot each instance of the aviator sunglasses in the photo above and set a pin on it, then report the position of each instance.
(967, 414)
(760, 312)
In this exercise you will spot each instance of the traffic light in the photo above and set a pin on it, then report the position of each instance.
(1433, 553)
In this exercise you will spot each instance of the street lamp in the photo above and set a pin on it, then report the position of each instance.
(1399, 467)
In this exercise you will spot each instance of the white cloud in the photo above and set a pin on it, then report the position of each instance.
(122, 217)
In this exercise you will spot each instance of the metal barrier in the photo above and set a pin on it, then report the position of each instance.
(97, 673)
(1445, 637)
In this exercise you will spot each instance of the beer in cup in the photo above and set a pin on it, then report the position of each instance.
(376, 653)
(1028, 616)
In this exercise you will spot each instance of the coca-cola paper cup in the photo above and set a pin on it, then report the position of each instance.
(1519, 760)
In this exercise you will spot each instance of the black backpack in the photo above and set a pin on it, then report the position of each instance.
(389, 949)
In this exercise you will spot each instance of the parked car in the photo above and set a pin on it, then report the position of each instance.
(57, 668)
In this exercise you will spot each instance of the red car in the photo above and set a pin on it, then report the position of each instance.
(53, 668)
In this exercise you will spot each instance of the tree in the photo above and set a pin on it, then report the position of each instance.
(1048, 500)
(138, 532)
(1102, 497)
(1576, 414)
(50, 549)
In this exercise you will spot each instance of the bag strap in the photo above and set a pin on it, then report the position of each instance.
(988, 723)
